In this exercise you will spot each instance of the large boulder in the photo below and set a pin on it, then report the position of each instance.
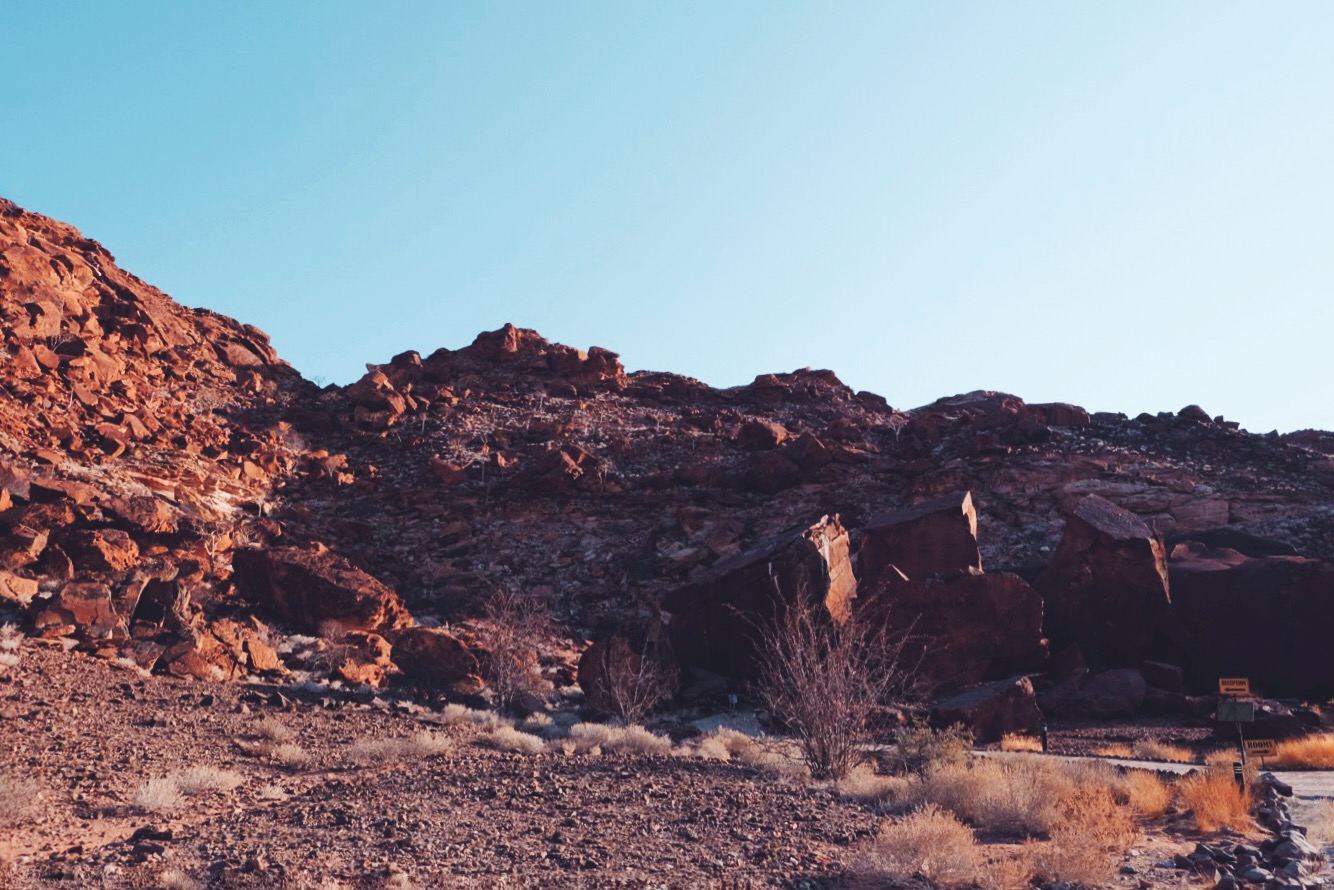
(963, 628)
(1107, 584)
(1116, 693)
(716, 622)
(317, 591)
(629, 671)
(991, 710)
(1266, 618)
(937, 536)
(433, 658)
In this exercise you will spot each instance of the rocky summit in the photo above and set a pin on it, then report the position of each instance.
(173, 494)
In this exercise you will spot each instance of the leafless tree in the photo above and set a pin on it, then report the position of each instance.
(638, 671)
(825, 679)
(514, 625)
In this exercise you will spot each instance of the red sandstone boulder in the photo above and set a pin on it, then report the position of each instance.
(434, 658)
(760, 435)
(314, 589)
(713, 623)
(1106, 586)
(81, 607)
(103, 550)
(963, 628)
(933, 537)
(18, 590)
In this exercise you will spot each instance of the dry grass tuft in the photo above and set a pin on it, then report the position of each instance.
(175, 879)
(456, 715)
(20, 800)
(593, 738)
(930, 842)
(369, 752)
(1212, 794)
(1310, 752)
(1145, 793)
(204, 779)
(1115, 749)
(507, 738)
(290, 756)
(1152, 749)
(1015, 742)
(158, 795)
(273, 729)
(1018, 797)
(866, 786)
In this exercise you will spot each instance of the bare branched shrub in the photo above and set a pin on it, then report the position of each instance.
(636, 673)
(920, 747)
(514, 626)
(929, 842)
(507, 738)
(824, 679)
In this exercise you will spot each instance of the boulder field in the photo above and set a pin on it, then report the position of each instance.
(173, 493)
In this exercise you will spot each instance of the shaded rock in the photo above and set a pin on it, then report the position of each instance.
(363, 658)
(1107, 584)
(1115, 693)
(314, 589)
(629, 671)
(962, 628)
(992, 709)
(1264, 618)
(434, 658)
(714, 623)
(939, 535)
(761, 435)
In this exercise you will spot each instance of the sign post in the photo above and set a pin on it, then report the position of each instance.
(1232, 710)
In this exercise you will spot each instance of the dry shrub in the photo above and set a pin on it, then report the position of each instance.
(712, 748)
(367, 752)
(591, 738)
(1115, 749)
(1320, 824)
(1088, 840)
(1145, 793)
(1022, 796)
(507, 738)
(158, 795)
(1013, 741)
(930, 842)
(866, 786)
(20, 799)
(273, 729)
(1312, 752)
(919, 748)
(588, 738)
(1152, 749)
(203, 779)
(514, 625)
(290, 756)
(1212, 794)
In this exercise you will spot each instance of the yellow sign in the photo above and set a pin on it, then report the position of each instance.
(1261, 747)
(1234, 686)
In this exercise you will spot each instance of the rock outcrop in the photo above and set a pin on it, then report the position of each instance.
(1107, 585)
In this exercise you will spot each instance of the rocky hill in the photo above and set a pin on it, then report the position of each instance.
(170, 490)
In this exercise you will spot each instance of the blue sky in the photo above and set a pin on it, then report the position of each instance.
(1122, 205)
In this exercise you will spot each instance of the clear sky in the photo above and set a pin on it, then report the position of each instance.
(1123, 205)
